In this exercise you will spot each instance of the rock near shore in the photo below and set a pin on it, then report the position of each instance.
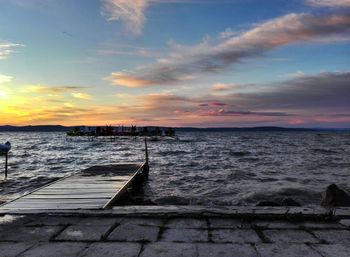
(335, 197)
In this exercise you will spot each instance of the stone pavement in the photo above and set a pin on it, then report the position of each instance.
(98, 234)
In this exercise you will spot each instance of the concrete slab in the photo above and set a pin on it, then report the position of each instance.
(113, 249)
(332, 250)
(169, 250)
(30, 234)
(186, 223)
(226, 250)
(185, 235)
(134, 233)
(227, 223)
(142, 221)
(53, 221)
(333, 236)
(55, 250)
(234, 236)
(345, 222)
(286, 250)
(290, 236)
(82, 233)
(321, 225)
(13, 249)
(98, 221)
(265, 224)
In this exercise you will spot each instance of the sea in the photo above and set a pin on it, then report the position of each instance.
(199, 168)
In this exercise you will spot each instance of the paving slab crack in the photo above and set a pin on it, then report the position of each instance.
(109, 231)
(260, 234)
(53, 237)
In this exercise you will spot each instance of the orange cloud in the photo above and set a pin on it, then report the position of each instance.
(123, 79)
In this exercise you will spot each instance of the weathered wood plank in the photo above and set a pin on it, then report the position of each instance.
(100, 195)
(77, 185)
(55, 207)
(43, 197)
(33, 202)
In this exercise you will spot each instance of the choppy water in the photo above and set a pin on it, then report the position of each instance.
(209, 168)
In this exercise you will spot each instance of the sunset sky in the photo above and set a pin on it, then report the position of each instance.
(202, 63)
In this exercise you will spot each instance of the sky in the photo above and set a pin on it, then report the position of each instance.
(198, 63)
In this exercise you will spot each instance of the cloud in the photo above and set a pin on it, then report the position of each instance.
(6, 49)
(227, 33)
(223, 87)
(307, 99)
(5, 78)
(83, 96)
(131, 13)
(311, 100)
(296, 74)
(328, 91)
(223, 112)
(108, 49)
(329, 3)
(53, 90)
(185, 62)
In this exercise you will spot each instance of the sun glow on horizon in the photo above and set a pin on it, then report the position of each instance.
(226, 64)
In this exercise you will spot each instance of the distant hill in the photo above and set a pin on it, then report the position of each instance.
(41, 128)
(59, 128)
(245, 129)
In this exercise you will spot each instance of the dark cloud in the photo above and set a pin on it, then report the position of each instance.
(321, 94)
(326, 91)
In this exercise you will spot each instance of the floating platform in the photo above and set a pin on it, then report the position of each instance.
(95, 188)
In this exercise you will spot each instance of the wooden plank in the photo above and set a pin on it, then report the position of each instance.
(45, 198)
(78, 185)
(33, 202)
(72, 202)
(55, 207)
(87, 189)
(68, 196)
(75, 193)
(112, 178)
(81, 187)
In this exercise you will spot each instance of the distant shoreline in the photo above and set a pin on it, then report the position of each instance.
(59, 128)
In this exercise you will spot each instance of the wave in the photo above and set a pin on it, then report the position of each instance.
(239, 153)
(325, 151)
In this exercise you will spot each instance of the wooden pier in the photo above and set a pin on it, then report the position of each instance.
(98, 187)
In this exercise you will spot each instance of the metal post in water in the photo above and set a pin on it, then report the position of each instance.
(6, 164)
(146, 165)
(146, 149)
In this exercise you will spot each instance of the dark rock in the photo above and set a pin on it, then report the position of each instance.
(267, 203)
(334, 197)
(290, 202)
